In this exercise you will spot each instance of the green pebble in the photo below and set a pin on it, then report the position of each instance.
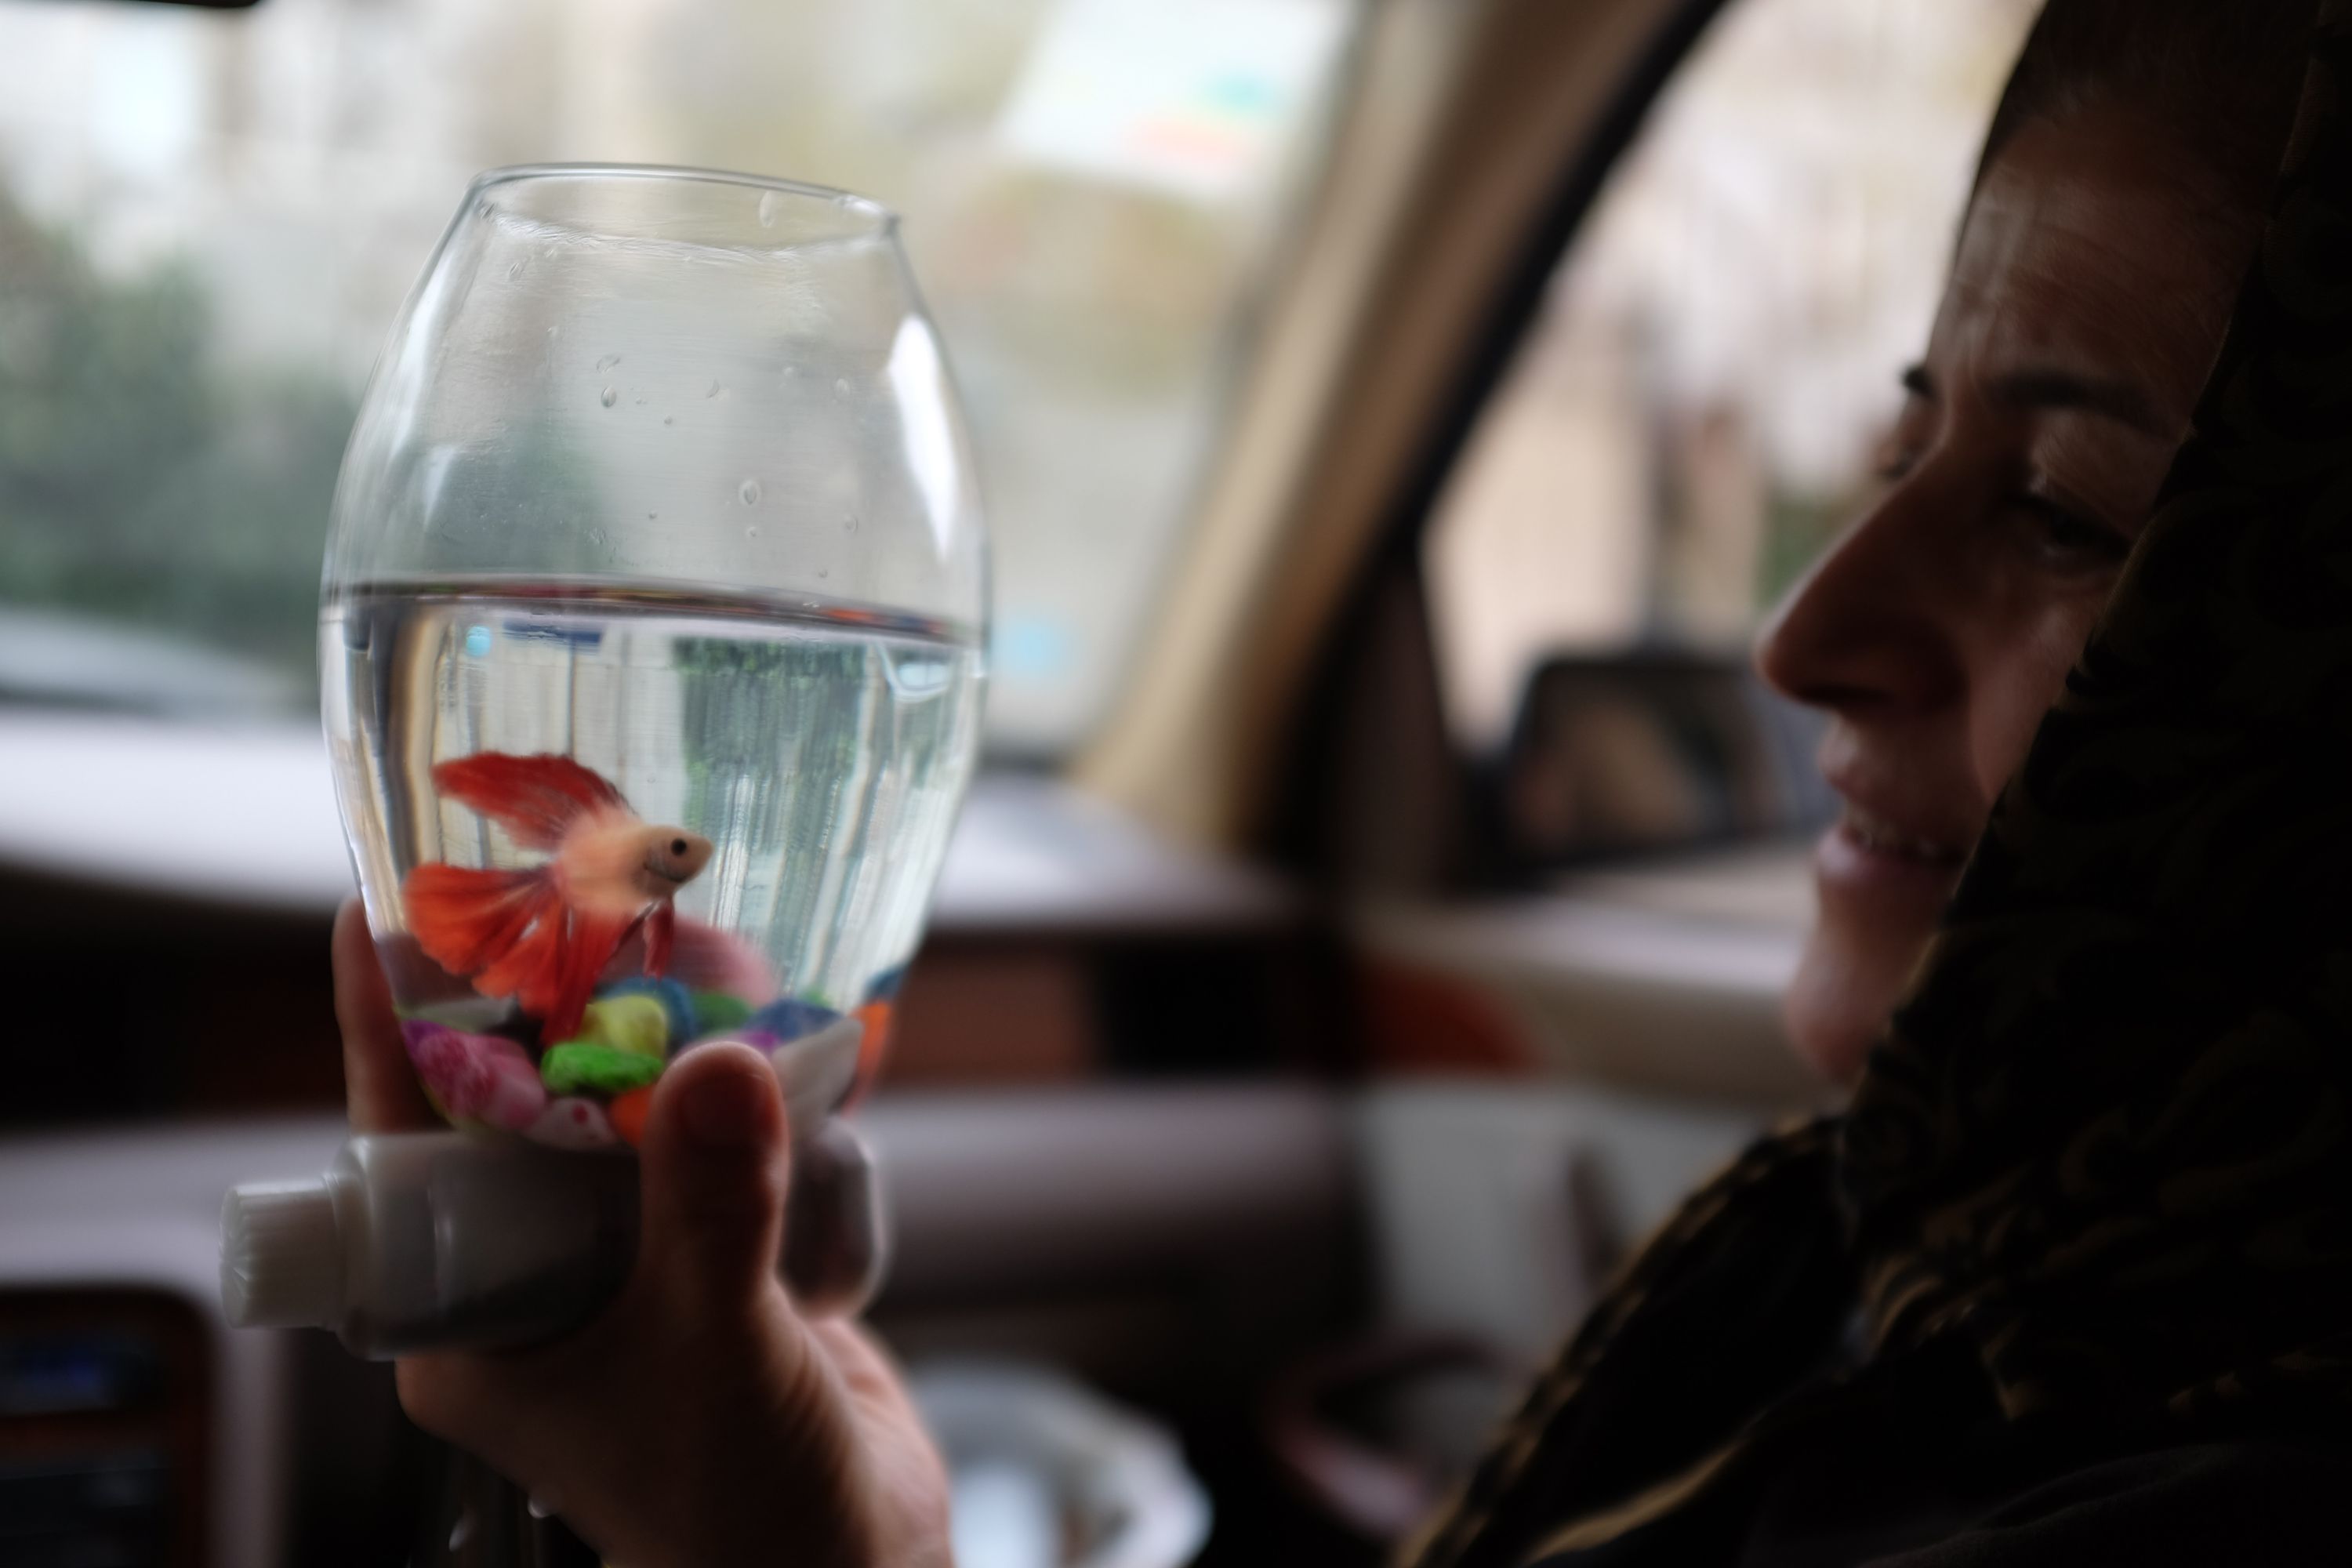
(607, 1069)
(716, 1011)
(639, 1024)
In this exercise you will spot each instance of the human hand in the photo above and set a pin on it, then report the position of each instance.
(700, 1418)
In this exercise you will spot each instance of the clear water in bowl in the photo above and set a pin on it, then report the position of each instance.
(620, 822)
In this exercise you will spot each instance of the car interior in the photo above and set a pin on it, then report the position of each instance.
(1370, 911)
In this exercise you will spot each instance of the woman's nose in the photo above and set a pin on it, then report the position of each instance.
(1869, 632)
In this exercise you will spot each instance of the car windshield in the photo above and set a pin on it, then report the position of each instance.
(208, 219)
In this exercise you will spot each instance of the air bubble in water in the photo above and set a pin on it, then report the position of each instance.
(916, 675)
(608, 362)
(750, 492)
(751, 531)
(713, 390)
(849, 523)
(669, 418)
(825, 572)
(841, 387)
(608, 397)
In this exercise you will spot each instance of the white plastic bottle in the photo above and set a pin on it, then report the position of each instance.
(418, 1239)
(435, 1240)
(432, 1240)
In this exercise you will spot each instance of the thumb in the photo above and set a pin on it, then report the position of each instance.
(378, 1083)
(713, 1173)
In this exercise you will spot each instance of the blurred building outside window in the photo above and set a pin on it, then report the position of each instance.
(1692, 417)
(207, 221)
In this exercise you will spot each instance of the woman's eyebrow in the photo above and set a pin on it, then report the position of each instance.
(2050, 387)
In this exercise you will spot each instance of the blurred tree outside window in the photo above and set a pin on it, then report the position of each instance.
(207, 221)
(1691, 418)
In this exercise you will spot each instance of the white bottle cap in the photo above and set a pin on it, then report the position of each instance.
(281, 1257)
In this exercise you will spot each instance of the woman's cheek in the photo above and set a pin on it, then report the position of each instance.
(2019, 678)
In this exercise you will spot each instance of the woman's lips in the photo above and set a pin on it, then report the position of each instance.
(1867, 855)
(1881, 836)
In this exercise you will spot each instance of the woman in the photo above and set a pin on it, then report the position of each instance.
(2122, 188)
(2083, 1212)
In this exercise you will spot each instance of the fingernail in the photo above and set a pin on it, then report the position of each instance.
(720, 1112)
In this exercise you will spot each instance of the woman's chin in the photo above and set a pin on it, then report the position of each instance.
(1876, 914)
(1838, 1003)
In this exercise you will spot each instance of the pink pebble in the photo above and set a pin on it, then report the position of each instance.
(478, 1079)
(571, 1122)
(516, 1096)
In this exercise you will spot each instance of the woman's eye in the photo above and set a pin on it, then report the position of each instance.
(2070, 537)
(1895, 465)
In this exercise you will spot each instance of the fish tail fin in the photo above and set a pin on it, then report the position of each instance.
(536, 798)
(468, 921)
(568, 979)
(525, 969)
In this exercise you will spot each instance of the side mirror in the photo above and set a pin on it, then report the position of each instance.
(1648, 752)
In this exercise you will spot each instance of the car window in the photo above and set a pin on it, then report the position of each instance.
(1692, 412)
(208, 220)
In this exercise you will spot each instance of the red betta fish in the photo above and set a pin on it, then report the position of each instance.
(544, 935)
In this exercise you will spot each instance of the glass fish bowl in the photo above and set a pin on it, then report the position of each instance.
(651, 640)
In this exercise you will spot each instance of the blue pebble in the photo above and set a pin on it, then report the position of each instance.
(791, 1018)
(675, 1000)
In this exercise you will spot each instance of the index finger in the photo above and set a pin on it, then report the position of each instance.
(380, 1090)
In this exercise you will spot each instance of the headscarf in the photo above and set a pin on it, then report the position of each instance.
(2099, 1175)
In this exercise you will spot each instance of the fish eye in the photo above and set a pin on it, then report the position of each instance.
(678, 846)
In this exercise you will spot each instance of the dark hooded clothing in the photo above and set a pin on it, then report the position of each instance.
(2071, 1280)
